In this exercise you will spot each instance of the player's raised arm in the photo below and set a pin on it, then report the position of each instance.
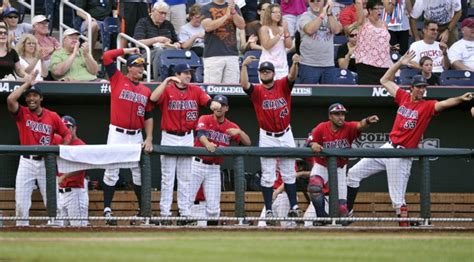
(161, 87)
(389, 76)
(366, 122)
(244, 138)
(244, 78)
(293, 73)
(453, 101)
(12, 99)
(110, 56)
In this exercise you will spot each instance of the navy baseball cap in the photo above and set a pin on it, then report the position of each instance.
(69, 121)
(419, 80)
(266, 66)
(34, 89)
(336, 107)
(136, 60)
(178, 69)
(10, 10)
(221, 99)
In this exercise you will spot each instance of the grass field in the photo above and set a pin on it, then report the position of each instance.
(228, 246)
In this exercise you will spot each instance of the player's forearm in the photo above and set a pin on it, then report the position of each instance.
(447, 103)
(244, 78)
(244, 138)
(159, 90)
(149, 129)
(389, 75)
(110, 56)
(293, 71)
(363, 124)
(12, 99)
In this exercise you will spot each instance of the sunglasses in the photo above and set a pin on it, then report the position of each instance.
(353, 35)
(3, 33)
(13, 16)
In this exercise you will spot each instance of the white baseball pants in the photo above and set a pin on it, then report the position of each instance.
(280, 208)
(398, 173)
(74, 204)
(322, 171)
(210, 177)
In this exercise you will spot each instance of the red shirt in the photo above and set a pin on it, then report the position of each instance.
(217, 134)
(348, 15)
(412, 119)
(75, 181)
(278, 181)
(180, 107)
(324, 135)
(39, 130)
(273, 106)
(128, 100)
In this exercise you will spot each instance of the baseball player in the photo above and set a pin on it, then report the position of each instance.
(130, 115)
(213, 131)
(335, 133)
(413, 116)
(272, 103)
(179, 103)
(73, 200)
(36, 126)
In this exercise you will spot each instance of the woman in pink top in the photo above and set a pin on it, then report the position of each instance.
(372, 53)
(274, 39)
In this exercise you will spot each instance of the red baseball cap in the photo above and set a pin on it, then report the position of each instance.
(469, 22)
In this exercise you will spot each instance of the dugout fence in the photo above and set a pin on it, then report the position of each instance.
(238, 154)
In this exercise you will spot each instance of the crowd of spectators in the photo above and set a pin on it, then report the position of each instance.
(221, 31)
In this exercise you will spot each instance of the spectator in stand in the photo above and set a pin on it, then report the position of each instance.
(4, 5)
(348, 15)
(445, 13)
(317, 27)
(30, 56)
(130, 11)
(47, 44)
(11, 17)
(372, 52)
(461, 53)
(74, 62)
(157, 33)
(221, 57)
(292, 11)
(396, 17)
(99, 10)
(177, 13)
(430, 47)
(9, 59)
(191, 35)
(345, 53)
(426, 64)
(275, 39)
(249, 37)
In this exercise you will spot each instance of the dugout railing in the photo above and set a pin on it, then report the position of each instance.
(50, 154)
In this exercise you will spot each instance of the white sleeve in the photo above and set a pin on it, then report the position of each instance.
(183, 35)
(456, 5)
(455, 52)
(417, 9)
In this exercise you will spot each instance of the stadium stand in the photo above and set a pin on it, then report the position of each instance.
(340, 76)
(252, 68)
(457, 77)
(170, 58)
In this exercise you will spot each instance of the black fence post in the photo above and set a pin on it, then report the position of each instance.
(333, 189)
(239, 186)
(51, 187)
(425, 188)
(145, 166)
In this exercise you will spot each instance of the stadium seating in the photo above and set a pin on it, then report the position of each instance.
(169, 58)
(340, 39)
(109, 30)
(252, 68)
(339, 76)
(457, 77)
(406, 75)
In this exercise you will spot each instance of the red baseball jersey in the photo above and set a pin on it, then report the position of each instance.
(128, 100)
(200, 195)
(180, 108)
(76, 181)
(273, 106)
(39, 130)
(278, 180)
(217, 134)
(328, 138)
(412, 119)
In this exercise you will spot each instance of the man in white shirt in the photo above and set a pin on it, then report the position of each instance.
(429, 47)
(445, 13)
(461, 54)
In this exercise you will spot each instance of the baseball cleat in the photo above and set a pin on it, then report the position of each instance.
(269, 214)
(296, 213)
(134, 222)
(109, 220)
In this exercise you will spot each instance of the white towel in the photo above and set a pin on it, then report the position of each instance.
(75, 158)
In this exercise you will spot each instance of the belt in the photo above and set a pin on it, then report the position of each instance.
(65, 190)
(277, 134)
(128, 132)
(197, 159)
(176, 133)
(33, 157)
(395, 145)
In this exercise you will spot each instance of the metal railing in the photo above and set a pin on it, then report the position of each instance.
(238, 154)
(30, 6)
(63, 26)
(137, 43)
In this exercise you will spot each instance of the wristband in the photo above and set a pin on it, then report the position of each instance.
(367, 121)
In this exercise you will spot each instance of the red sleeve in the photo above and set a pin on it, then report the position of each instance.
(57, 140)
(431, 104)
(149, 104)
(401, 96)
(203, 97)
(317, 134)
(61, 128)
(109, 56)
(19, 113)
(353, 133)
(202, 123)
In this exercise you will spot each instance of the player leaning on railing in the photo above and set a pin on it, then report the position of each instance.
(413, 116)
(36, 126)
